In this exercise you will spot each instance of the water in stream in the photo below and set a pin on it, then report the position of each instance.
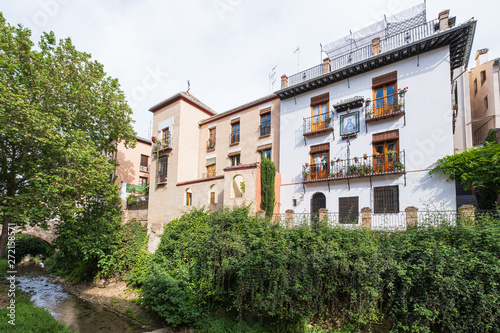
(75, 313)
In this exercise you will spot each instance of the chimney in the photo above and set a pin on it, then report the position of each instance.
(376, 45)
(481, 57)
(443, 19)
(284, 81)
(326, 65)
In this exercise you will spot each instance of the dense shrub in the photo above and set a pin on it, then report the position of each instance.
(211, 267)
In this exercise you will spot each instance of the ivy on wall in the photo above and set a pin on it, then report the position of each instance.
(267, 177)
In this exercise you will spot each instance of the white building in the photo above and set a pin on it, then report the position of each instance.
(354, 140)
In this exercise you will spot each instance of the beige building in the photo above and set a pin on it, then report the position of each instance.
(204, 159)
(484, 82)
(133, 163)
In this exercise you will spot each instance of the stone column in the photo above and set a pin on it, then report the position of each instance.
(290, 218)
(467, 212)
(366, 217)
(411, 216)
(284, 81)
(443, 19)
(376, 45)
(326, 65)
(322, 214)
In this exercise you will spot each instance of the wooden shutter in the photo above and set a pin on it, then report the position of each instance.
(144, 160)
(385, 136)
(318, 148)
(321, 99)
(348, 210)
(384, 79)
(386, 199)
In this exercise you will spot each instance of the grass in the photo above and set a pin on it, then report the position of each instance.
(29, 318)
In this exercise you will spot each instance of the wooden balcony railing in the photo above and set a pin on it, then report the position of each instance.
(318, 124)
(384, 107)
(381, 164)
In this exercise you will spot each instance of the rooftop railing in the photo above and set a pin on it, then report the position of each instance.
(364, 52)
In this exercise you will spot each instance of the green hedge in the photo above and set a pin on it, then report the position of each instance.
(230, 265)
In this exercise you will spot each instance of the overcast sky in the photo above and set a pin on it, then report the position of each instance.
(226, 48)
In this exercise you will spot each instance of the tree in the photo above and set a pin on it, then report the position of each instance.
(477, 167)
(267, 177)
(59, 112)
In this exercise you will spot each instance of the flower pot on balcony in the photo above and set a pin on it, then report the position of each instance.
(355, 160)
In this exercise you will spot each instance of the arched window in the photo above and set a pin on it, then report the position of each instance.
(318, 201)
(238, 187)
(189, 197)
(211, 194)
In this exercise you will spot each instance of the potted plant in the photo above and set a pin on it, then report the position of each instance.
(331, 175)
(369, 114)
(402, 91)
(338, 160)
(305, 174)
(401, 106)
(368, 101)
(376, 154)
(353, 170)
(328, 120)
(365, 156)
(332, 163)
(154, 139)
(355, 160)
(396, 166)
(391, 153)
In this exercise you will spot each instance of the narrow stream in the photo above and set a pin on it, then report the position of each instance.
(75, 313)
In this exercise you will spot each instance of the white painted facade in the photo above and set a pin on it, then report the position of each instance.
(426, 137)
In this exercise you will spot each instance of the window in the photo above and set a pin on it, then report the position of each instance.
(386, 199)
(189, 197)
(320, 157)
(483, 77)
(144, 163)
(143, 181)
(319, 112)
(386, 151)
(211, 139)
(475, 87)
(162, 169)
(165, 137)
(235, 160)
(385, 98)
(235, 132)
(212, 194)
(265, 153)
(349, 210)
(485, 103)
(265, 124)
(211, 171)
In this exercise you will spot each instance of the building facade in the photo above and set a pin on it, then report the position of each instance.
(133, 164)
(366, 126)
(484, 80)
(204, 159)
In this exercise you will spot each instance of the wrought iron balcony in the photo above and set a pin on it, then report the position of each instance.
(318, 124)
(165, 144)
(356, 167)
(385, 107)
(264, 130)
(210, 144)
(234, 138)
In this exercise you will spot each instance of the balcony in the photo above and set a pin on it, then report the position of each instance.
(210, 144)
(318, 124)
(234, 139)
(385, 107)
(357, 167)
(163, 145)
(264, 130)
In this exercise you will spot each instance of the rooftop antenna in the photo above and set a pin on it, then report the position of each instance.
(320, 53)
(189, 86)
(297, 50)
(272, 78)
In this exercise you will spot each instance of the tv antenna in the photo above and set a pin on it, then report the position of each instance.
(297, 50)
(272, 78)
(189, 85)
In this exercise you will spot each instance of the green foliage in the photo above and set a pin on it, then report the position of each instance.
(267, 178)
(227, 271)
(59, 114)
(491, 137)
(27, 244)
(4, 267)
(477, 167)
(30, 318)
(131, 199)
